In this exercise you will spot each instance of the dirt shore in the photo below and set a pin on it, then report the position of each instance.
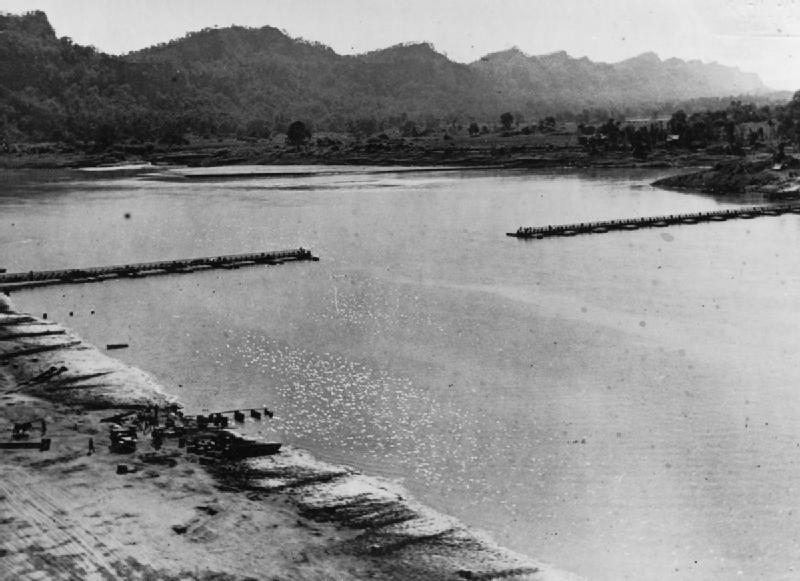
(68, 514)
(776, 180)
(492, 150)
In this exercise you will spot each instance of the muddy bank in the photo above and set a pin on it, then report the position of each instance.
(68, 513)
(776, 179)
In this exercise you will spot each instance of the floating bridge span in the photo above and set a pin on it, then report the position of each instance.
(17, 280)
(539, 232)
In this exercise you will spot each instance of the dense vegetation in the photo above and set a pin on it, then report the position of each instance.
(255, 82)
(53, 89)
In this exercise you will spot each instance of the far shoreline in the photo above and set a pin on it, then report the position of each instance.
(485, 152)
(695, 171)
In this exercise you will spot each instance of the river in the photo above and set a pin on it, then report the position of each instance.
(622, 406)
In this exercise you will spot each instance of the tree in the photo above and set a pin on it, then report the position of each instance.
(547, 125)
(258, 128)
(730, 133)
(172, 133)
(640, 143)
(612, 132)
(507, 119)
(789, 120)
(297, 134)
(363, 126)
(409, 129)
(104, 136)
(677, 123)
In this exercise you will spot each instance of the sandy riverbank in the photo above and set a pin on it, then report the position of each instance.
(69, 515)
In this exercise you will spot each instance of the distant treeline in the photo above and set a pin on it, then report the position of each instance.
(253, 83)
(736, 126)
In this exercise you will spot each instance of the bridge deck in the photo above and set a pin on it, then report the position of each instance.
(601, 227)
(16, 280)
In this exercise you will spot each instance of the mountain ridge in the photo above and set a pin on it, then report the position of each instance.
(229, 80)
(526, 82)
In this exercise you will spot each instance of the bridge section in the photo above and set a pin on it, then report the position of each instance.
(18, 280)
(539, 232)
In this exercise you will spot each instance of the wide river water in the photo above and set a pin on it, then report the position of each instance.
(622, 406)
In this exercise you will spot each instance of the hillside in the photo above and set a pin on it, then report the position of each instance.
(251, 82)
(416, 80)
(271, 76)
(581, 83)
(53, 89)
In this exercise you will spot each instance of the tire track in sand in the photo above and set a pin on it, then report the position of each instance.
(38, 539)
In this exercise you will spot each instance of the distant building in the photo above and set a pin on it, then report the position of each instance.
(568, 127)
(636, 122)
(766, 131)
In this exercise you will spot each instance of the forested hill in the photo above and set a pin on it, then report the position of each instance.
(253, 81)
(270, 76)
(580, 83)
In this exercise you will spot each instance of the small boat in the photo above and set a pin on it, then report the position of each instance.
(568, 232)
(43, 445)
(660, 224)
(226, 445)
(630, 226)
(117, 346)
(251, 449)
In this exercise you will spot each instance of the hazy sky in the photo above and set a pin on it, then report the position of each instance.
(761, 36)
